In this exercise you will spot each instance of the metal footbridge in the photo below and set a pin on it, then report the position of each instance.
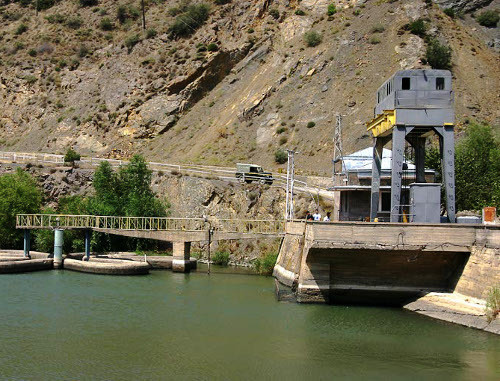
(159, 228)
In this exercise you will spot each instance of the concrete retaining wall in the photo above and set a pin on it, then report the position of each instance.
(481, 272)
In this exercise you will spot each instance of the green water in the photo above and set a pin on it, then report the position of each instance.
(62, 325)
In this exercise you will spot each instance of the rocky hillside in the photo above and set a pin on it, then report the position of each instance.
(232, 83)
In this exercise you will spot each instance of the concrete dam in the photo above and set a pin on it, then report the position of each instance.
(386, 263)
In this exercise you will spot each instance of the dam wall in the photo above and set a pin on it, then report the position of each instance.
(386, 263)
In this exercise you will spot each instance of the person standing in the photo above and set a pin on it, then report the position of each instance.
(317, 216)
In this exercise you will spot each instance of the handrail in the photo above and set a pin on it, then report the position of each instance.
(64, 221)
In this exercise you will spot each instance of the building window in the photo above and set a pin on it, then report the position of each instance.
(406, 83)
(440, 83)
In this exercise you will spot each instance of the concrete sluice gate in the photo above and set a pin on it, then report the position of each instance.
(385, 264)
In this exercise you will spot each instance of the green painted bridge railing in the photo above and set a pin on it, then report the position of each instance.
(63, 221)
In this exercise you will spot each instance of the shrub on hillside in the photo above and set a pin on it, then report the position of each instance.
(312, 38)
(71, 156)
(418, 27)
(187, 22)
(222, 2)
(124, 13)
(21, 29)
(331, 10)
(275, 14)
(132, 41)
(450, 12)
(106, 24)
(438, 55)
(280, 156)
(488, 19)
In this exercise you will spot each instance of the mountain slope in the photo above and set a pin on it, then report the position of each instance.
(257, 91)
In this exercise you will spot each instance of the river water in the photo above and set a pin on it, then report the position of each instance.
(62, 325)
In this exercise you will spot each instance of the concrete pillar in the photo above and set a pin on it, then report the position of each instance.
(398, 147)
(88, 235)
(378, 149)
(27, 243)
(180, 261)
(58, 248)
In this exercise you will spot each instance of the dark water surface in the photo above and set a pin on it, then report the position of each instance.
(62, 325)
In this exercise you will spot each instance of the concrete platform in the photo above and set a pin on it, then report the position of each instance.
(455, 308)
(107, 266)
(25, 265)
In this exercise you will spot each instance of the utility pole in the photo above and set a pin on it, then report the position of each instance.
(143, 16)
(290, 181)
(337, 144)
(36, 8)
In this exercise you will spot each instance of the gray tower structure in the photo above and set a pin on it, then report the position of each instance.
(411, 106)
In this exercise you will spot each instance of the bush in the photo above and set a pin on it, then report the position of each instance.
(88, 3)
(151, 33)
(488, 19)
(310, 124)
(450, 12)
(375, 40)
(132, 41)
(56, 18)
(265, 265)
(220, 258)
(300, 12)
(493, 303)
(222, 2)
(418, 27)
(74, 22)
(190, 20)
(106, 24)
(124, 13)
(275, 14)
(71, 156)
(438, 55)
(379, 28)
(280, 156)
(332, 9)
(283, 140)
(21, 29)
(32, 52)
(312, 38)
(212, 47)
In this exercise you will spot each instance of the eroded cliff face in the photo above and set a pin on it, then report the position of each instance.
(253, 92)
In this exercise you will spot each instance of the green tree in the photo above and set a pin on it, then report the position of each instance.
(138, 199)
(19, 194)
(477, 166)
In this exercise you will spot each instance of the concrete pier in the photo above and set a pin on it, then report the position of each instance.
(58, 248)
(181, 259)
